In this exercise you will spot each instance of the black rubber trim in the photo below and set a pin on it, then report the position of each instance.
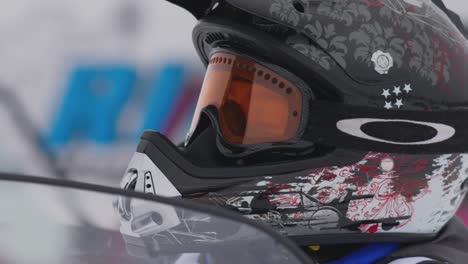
(186, 204)
(360, 238)
(185, 183)
(153, 141)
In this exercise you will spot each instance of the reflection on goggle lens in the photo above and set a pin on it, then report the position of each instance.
(255, 105)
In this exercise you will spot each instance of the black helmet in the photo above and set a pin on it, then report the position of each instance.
(330, 120)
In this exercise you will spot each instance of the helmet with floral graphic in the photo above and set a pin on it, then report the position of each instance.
(331, 121)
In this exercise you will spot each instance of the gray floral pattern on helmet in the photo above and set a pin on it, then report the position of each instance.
(336, 32)
(429, 16)
(345, 11)
(404, 23)
(373, 37)
(427, 61)
(285, 11)
(316, 54)
(326, 38)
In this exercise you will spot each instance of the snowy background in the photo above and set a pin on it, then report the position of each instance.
(43, 41)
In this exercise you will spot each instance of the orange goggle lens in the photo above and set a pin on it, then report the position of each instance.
(255, 105)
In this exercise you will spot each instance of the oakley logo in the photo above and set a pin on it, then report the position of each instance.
(353, 127)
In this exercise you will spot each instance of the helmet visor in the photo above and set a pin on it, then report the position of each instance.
(255, 105)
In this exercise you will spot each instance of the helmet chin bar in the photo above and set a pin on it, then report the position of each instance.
(328, 186)
(166, 229)
(139, 219)
(149, 178)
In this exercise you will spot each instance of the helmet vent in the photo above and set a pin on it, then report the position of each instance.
(212, 37)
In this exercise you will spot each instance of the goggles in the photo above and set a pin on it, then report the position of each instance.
(254, 104)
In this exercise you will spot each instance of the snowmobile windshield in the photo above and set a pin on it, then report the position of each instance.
(49, 221)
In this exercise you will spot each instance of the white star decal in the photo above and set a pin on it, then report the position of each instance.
(386, 93)
(399, 103)
(408, 88)
(388, 105)
(397, 90)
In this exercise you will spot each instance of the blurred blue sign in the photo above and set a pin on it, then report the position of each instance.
(96, 96)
